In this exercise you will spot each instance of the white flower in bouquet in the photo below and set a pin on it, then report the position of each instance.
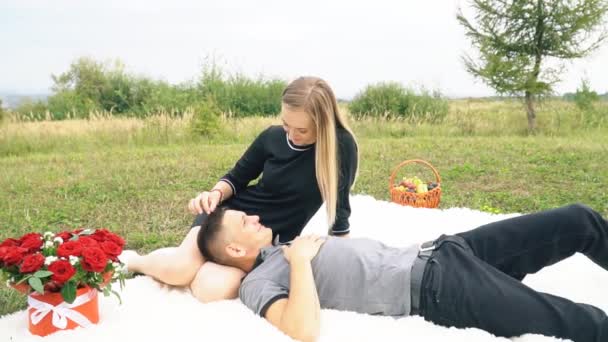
(73, 260)
(50, 259)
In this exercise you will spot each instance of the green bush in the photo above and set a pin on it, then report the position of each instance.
(92, 86)
(592, 111)
(206, 118)
(68, 104)
(390, 99)
(386, 98)
(30, 110)
(585, 97)
(239, 95)
(64, 105)
(162, 97)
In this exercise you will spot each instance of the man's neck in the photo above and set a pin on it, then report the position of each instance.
(249, 262)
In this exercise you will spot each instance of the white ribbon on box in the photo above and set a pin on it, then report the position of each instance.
(61, 312)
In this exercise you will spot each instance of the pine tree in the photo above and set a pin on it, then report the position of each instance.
(522, 43)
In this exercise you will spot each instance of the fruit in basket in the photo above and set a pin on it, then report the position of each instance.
(407, 187)
(411, 183)
(415, 185)
(422, 188)
(414, 180)
(407, 184)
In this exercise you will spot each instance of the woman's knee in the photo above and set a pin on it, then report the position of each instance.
(580, 209)
(215, 282)
(582, 213)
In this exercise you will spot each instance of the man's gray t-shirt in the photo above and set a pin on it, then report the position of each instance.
(360, 275)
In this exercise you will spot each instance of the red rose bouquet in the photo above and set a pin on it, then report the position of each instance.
(63, 262)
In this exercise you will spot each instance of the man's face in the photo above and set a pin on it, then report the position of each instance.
(246, 230)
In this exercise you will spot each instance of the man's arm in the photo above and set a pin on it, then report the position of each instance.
(298, 315)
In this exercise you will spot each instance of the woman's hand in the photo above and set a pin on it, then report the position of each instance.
(206, 201)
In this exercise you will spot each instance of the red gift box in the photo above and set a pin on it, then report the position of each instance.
(48, 313)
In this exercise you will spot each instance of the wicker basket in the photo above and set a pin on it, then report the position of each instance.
(428, 199)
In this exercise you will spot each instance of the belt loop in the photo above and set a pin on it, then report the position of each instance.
(425, 251)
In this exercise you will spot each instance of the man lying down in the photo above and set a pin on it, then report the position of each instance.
(470, 279)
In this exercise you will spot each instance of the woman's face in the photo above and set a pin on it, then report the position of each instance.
(298, 125)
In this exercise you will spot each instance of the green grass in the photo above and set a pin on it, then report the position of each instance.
(135, 177)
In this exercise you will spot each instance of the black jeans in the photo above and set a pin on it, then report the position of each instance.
(473, 279)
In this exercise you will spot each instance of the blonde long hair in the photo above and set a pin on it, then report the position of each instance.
(314, 96)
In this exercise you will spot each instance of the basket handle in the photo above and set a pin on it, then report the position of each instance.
(417, 161)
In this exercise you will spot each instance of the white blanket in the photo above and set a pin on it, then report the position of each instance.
(151, 311)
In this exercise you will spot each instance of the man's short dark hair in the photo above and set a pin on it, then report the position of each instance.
(208, 235)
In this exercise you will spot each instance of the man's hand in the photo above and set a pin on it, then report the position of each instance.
(303, 248)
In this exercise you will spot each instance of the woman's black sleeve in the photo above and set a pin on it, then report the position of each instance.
(346, 178)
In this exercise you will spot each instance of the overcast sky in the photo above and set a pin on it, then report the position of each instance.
(348, 43)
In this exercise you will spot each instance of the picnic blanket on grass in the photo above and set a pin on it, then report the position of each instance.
(153, 311)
